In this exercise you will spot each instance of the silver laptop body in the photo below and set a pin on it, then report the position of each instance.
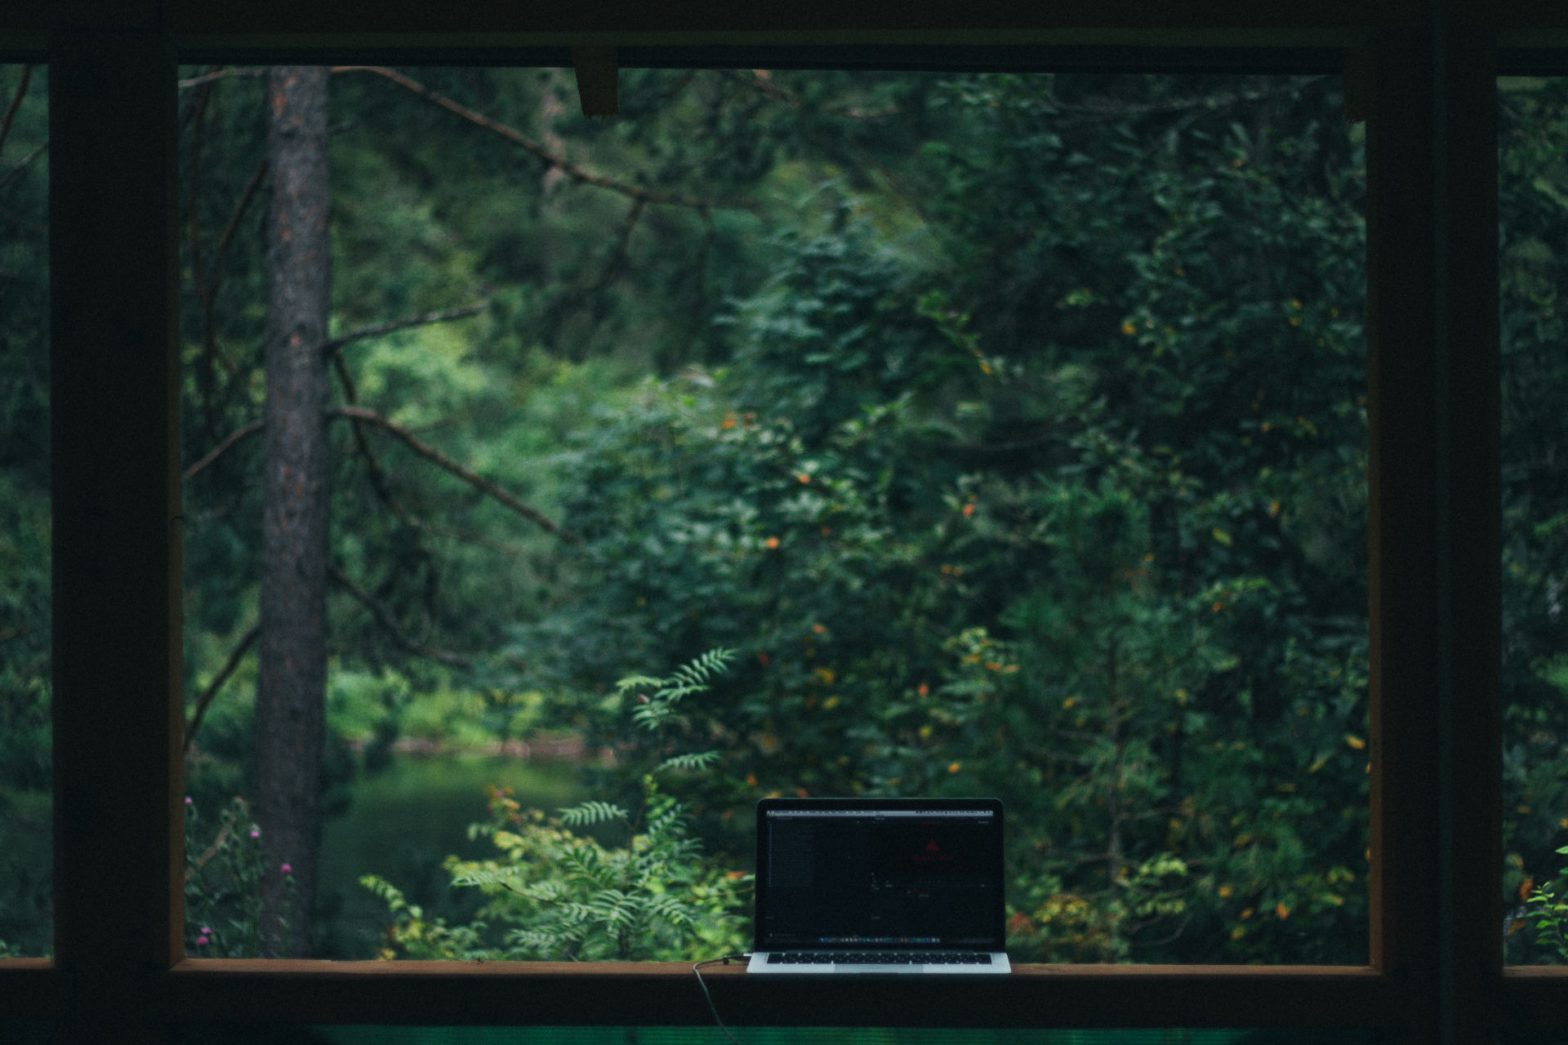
(884, 886)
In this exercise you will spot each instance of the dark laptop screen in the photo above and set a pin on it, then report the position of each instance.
(879, 873)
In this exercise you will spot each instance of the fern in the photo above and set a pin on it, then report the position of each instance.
(587, 814)
(658, 704)
(689, 762)
(555, 895)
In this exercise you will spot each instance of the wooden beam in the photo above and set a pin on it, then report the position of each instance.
(859, 21)
(1470, 546)
(598, 80)
(1403, 522)
(114, 414)
(441, 993)
(29, 989)
(1534, 998)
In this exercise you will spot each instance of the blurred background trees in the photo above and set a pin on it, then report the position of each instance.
(1010, 428)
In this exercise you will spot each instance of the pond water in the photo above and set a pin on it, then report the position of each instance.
(402, 821)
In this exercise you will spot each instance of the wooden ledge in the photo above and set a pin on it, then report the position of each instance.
(659, 993)
(30, 989)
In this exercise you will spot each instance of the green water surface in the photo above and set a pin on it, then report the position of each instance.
(402, 821)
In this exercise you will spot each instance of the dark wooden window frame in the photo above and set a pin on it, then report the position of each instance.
(1423, 75)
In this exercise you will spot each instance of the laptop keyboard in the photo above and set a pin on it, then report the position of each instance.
(879, 958)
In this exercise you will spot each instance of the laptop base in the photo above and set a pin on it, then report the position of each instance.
(905, 965)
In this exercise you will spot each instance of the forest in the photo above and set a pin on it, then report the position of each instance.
(556, 487)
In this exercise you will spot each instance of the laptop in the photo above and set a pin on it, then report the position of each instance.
(879, 885)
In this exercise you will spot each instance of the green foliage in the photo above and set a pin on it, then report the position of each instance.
(25, 607)
(1547, 909)
(1059, 501)
(222, 883)
(1012, 433)
(555, 893)
(1533, 130)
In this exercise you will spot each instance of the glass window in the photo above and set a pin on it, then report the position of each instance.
(1533, 195)
(26, 925)
(915, 433)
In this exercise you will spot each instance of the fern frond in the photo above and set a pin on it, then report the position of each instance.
(483, 877)
(384, 891)
(672, 909)
(586, 814)
(689, 762)
(651, 715)
(615, 907)
(697, 672)
(631, 682)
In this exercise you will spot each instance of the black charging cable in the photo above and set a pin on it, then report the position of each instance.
(696, 969)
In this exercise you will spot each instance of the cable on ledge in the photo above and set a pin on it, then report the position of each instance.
(696, 969)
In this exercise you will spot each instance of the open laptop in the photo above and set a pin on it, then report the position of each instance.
(879, 885)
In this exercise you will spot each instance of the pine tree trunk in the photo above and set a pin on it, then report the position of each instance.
(290, 699)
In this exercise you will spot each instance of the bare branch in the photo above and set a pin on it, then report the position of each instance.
(440, 460)
(25, 162)
(221, 74)
(385, 618)
(544, 155)
(381, 329)
(233, 225)
(236, 436)
(622, 246)
(16, 103)
(575, 296)
(204, 701)
(383, 489)
(209, 294)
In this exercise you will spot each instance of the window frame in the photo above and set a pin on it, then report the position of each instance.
(1423, 75)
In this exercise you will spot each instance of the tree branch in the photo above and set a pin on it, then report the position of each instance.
(544, 155)
(380, 329)
(221, 74)
(204, 701)
(21, 165)
(236, 436)
(362, 416)
(575, 296)
(16, 103)
(209, 295)
(385, 618)
(383, 489)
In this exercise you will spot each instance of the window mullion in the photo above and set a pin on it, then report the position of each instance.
(1402, 305)
(1469, 475)
(116, 562)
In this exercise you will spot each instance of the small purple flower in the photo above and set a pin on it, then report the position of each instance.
(255, 832)
(286, 868)
(206, 930)
(189, 801)
(202, 940)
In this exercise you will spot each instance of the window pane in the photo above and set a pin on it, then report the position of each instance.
(26, 829)
(1533, 130)
(1007, 430)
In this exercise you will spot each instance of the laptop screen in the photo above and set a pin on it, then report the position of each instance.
(879, 873)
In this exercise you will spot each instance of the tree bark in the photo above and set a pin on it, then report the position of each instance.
(289, 725)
